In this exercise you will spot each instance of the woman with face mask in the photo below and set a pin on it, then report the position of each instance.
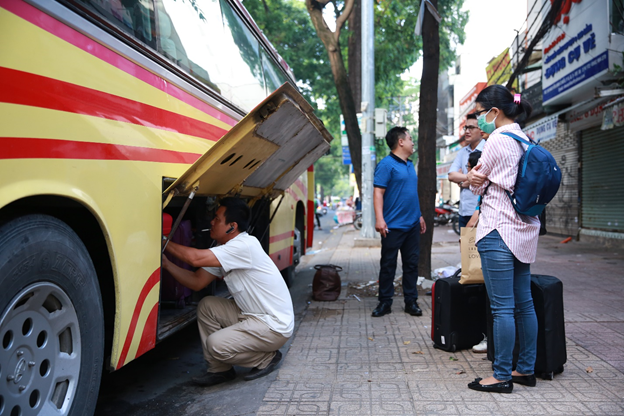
(506, 240)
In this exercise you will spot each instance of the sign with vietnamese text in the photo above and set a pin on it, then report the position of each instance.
(543, 130)
(575, 50)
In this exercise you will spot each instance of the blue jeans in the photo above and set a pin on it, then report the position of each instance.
(408, 243)
(508, 283)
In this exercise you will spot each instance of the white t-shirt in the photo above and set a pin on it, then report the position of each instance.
(255, 282)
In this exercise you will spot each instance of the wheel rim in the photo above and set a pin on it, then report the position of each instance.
(40, 345)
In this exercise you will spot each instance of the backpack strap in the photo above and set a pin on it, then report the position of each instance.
(520, 139)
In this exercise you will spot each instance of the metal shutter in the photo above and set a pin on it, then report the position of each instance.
(602, 176)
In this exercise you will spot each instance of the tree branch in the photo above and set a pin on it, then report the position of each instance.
(348, 7)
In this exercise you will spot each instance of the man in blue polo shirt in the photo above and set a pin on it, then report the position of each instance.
(398, 220)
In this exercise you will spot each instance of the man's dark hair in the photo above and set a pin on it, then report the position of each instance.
(393, 136)
(236, 210)
(473, 158)
(471, 116)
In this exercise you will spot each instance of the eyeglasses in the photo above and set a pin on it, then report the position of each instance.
(470, 128)
(478, 113)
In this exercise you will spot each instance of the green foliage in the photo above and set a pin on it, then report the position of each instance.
(287, 25)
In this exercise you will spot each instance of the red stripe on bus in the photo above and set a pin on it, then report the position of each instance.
(24, 88)
(73, 37)
(302, 188)
(148, 338)
(282, 258)
(151, 282)
(281, 237)
(32, 148)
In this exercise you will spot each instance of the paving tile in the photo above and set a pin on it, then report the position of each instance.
(350, 408)
(334, 368)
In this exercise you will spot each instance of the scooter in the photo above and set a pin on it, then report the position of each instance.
(447, 213)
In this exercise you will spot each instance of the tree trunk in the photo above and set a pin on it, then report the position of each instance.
(427, 135)
(355, 52)
(341, 80)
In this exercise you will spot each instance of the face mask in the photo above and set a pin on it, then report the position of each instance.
(486, 127)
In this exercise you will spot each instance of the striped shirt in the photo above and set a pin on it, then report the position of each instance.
(499, 161)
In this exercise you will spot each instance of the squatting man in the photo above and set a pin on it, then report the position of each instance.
(248, 330)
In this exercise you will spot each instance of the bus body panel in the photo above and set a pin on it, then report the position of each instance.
(80, 121)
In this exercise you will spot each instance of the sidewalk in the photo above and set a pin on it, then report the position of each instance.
(344, 362)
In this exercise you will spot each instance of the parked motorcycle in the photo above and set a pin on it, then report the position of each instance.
(357, 221)
(447, 213)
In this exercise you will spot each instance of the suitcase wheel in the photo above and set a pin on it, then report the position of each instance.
(548, 376)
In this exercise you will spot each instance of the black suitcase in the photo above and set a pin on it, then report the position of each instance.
(458, 318)
(547, 293)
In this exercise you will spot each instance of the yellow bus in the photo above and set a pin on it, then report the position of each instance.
(116, 115)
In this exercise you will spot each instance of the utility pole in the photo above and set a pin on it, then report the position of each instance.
(368, 111)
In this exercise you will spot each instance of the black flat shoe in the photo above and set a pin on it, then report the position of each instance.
(530, 380)
(502, 387)
(257, 373)
(413, 309)
(382, 309)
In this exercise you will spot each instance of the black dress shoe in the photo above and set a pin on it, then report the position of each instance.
(382, 309)
(210, 379)
(502, 387)
(530, 380)
(413, 309)
(257, 372)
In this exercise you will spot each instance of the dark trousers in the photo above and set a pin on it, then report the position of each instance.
(408, 243)
(463, 220)
(318, 220)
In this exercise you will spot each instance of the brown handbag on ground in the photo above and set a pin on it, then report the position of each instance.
(470, 259)
(326, 283)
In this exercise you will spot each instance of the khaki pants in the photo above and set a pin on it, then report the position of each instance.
(230, 338)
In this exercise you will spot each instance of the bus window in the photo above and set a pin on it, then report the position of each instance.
(135, 17)
(272, 74)
(241, 58)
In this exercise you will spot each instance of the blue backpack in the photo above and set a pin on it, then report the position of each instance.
(538, 179)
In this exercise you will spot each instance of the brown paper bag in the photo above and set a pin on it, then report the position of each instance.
(470, 260)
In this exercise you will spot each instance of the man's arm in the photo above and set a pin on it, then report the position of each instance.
(380, 223)
(459, 178)
(193, 280)
(194, 257)
(456, 171)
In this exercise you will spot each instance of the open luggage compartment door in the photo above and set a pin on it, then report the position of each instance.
(263, 154)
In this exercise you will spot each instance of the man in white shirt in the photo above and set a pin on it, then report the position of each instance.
(459, 169)
(248, 330)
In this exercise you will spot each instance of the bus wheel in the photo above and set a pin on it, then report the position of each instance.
(51, 322)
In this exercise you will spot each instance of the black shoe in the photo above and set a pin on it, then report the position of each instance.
(210, 379)
(530, 380)
(502, 387)
(382, 309)
(257, 372)
(413, 309)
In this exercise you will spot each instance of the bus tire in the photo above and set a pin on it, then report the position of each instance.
(51, 322)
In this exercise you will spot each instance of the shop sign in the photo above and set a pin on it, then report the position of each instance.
(543, 130)
(442, 170)
(576, 50)
(585, 118)
(613, 117)
(499, 70)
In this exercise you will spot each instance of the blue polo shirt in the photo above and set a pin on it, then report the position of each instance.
(401, 208)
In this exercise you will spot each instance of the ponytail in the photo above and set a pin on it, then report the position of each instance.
(501, 98)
